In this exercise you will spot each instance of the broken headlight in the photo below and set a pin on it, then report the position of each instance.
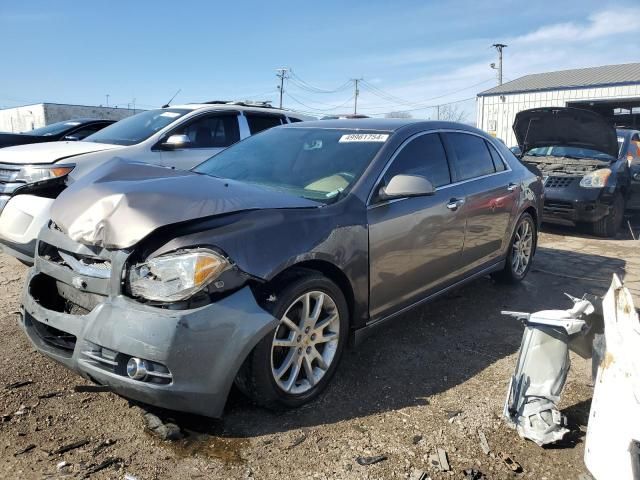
(596, 179)
(176, 276)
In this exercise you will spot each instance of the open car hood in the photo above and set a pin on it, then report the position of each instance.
(121, 202)
(568, 127)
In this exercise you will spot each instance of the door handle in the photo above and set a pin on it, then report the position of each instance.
(512, 186)
(454, 203)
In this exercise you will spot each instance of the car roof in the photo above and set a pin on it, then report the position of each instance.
(238, 107)
(386, 124)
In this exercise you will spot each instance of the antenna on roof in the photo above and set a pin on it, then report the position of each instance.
(166, 105)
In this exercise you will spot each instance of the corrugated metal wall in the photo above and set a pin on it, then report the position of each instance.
(495, 114)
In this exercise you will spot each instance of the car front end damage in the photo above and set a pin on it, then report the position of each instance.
(576, 191)
(78, 309)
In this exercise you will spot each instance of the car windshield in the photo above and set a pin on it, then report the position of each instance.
(137, 128)
(53, 129)
(568, 152)
(314, 163)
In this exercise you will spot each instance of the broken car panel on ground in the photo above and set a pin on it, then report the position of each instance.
(260, 264)
(612, 449)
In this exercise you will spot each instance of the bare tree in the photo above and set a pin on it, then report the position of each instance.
(451, 113)
(398, 115)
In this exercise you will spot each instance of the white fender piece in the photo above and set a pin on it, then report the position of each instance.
(612, 448)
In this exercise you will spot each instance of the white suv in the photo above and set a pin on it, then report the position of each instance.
(182, 136)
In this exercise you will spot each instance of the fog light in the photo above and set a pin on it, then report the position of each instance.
(136, 368)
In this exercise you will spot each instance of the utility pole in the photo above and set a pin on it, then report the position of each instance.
(498, 47)
(355, 94)
(437, 112)
(282, 74)
(107, 95)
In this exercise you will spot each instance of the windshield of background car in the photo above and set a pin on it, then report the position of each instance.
(569, 152)
(137, 128)
(53, 129)
(314, 163)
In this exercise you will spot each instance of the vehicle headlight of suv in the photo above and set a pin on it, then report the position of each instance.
(176, 276)
(596, 179)
(35, 173)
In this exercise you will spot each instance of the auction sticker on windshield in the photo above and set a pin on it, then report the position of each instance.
(364, 137)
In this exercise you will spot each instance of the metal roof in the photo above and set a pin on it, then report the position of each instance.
(606, 75)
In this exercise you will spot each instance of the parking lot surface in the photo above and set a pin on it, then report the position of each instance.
(431, 380)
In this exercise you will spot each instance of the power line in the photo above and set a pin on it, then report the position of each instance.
(318, 110)
(283, 73)
(393, 99)
(426, 107)
(304, 85)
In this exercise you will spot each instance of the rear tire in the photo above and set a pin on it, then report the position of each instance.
(521, 250)
(311, 348)
(608, 226)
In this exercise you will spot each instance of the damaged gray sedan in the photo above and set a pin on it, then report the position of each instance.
(260, 265)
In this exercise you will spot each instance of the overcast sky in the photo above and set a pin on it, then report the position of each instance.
(411, 54)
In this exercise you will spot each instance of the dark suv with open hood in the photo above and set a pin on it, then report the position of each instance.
(577, 154)
(258, 265)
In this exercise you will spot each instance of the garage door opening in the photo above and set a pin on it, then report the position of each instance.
(623, 113)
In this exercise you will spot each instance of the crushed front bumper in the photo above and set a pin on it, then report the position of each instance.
(195, 354)
(571, 204)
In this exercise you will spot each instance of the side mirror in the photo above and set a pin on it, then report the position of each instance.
(635, 174)
(175, 141)
(402, 186)
(71, 138)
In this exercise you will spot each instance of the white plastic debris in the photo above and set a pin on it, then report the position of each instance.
(612, 448)
(541, 371)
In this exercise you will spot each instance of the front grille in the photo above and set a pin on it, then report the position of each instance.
(61, 341)
(558, 207)
(558, 182)
(8, 173)
(81, 264)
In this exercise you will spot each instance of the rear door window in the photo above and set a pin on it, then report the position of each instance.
(498, 164)
(424, 156)
(259, 122)
(472, 156)
(211, 131)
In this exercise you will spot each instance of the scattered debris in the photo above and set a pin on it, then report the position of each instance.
(92, 388)
(26, 449)
(416, 439)
(50, 395)
(439, 460)
(103, 445)
(297, 441)
(23, 383)
(128, 476)
(542, 368)
(70, 446)
(474, 474)
(419, 475)
(364, 461)
(444, 462)
(451, 414)
(483, 443)
(22, 410)
(5, 418)
(164, 430)
(510, 463)
(101, 466)
(61, 465)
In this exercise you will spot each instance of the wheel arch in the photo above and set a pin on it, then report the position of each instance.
(324, 267)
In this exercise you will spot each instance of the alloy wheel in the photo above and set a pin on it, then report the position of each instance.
(521, 248)
(305, 342)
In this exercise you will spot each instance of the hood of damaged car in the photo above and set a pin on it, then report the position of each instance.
(567, 127)
(121, 202)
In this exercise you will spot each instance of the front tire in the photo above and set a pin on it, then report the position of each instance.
(521, 250)
(608, 226)
(294, 363)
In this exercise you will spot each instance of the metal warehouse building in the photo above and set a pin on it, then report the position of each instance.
(28, 117)
(611, 90)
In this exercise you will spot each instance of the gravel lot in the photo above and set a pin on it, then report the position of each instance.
(393, 396)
